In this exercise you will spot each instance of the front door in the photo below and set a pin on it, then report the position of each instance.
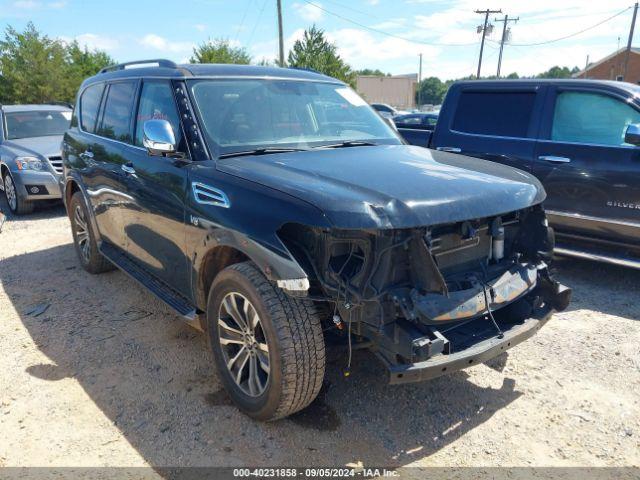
(592, 177)
(159, 187)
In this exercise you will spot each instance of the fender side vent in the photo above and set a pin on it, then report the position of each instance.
(207, 195)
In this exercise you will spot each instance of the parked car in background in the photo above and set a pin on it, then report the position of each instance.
(580, 138)
(412, 126)
(387, 111)
(30, 161)
(268, 206)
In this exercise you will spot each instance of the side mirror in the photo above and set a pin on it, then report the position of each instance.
(158, 137)
(632, 135)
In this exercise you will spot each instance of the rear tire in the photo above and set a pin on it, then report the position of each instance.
(17, 205)
(282, 337)
(84, 238)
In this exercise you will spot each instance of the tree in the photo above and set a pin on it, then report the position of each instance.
(559, 72)
(33, 67)
(220, 50)
(84, 63)
(315, 52)
(374, 73)
(431, 91)
(38, 69)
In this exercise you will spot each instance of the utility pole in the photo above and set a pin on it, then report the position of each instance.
(484, 33)
(586, 66)
(280, 36)
(504, 37)
(419, 82)
(626, 55)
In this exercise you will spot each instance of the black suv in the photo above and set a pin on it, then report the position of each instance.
(274, 209)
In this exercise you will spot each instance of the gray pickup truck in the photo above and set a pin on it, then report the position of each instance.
(30, 161)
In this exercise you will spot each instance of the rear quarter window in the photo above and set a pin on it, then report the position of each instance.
(503, 114)
(89, 105)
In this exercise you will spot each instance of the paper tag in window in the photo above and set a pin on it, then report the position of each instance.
(350, 96)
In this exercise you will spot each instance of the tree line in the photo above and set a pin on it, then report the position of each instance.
(432, 90)
(35, 68)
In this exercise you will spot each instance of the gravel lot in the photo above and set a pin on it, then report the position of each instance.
(109, 376)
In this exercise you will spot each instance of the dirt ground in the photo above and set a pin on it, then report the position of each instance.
(97, 372)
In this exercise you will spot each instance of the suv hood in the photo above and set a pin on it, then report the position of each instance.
(392, 186)
(37, 146)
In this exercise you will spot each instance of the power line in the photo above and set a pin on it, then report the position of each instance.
(244, 16)
(360, 12)
(255, 26)
(382, 32)
(546, 42)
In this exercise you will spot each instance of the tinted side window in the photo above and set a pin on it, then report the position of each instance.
(116, 120)
(89, 105)
(504, 114)
(591, 118)
(156, 102)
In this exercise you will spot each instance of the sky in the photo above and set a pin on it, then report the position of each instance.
(384, 34)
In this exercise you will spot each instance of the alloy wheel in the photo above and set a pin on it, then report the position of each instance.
(244, 344)
(10, 192)
(82, 233)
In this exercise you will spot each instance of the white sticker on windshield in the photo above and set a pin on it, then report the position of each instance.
(350, 96)
(66, 115)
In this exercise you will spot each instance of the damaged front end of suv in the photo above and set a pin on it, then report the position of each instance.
(434, 299)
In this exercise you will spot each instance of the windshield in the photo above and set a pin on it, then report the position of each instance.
(240, 115)
(37, 123)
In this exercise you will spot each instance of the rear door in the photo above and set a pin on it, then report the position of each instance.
(159, 187)
(494, 122)
(106, 188)
(592, 177)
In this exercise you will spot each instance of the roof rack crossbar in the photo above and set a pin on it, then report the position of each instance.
(161, 62)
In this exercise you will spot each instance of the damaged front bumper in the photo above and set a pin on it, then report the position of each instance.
(479, 353)
(486, 348)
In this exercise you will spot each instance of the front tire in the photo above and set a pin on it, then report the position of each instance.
(17, 205)
(268, 347)
(84, 238)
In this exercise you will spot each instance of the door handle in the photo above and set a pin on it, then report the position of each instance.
(86, 154)
(554, 159)
(449, 149)
(128, 169)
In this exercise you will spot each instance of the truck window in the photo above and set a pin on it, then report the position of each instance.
(116, 121)
(89, 104)
(500, 113)
(583, 117)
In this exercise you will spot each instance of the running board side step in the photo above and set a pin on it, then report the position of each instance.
(598, 257)
(169, 296)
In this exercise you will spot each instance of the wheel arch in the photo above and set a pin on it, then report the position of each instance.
(221, 249)
(72, 185)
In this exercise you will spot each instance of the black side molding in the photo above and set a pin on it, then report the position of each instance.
(165, 293)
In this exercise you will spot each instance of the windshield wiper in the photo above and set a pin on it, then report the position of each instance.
(349, 143)
(262, 151)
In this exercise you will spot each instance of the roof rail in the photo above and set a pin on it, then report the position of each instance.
(121, 66)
